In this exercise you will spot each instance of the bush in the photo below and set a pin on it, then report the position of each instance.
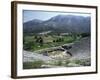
(85, 34)
(59, 63)
(77, 61)
(34, 64)
(67, 62)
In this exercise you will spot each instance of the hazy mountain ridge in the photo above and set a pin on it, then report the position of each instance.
(59, 23)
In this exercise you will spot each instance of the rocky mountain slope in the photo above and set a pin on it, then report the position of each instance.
(59, 24)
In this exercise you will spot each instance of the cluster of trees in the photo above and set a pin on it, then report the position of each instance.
(85, 34)
(39, 40)
(58, 40)
(82, 35)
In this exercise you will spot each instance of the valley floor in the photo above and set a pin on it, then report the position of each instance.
(79, 55)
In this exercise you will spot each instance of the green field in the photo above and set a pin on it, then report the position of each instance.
(37, 42)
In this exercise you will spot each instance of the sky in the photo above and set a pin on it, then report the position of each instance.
(29, 15)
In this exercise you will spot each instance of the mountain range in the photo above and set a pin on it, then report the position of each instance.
(59, 24)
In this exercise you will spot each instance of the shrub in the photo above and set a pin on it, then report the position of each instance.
(77, 61)
(67, 62)
(34, 64)
(85, 34)
(59, 63)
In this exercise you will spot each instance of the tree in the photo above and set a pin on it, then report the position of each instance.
(35, 37)
(54, 41)
(41, 41)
